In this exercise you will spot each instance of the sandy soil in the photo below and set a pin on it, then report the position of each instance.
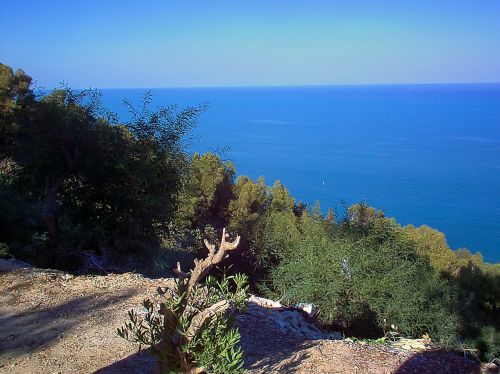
(51, 322)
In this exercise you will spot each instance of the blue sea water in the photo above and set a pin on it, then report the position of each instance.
(425, 154)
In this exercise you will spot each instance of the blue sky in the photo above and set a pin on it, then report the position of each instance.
(105, 44)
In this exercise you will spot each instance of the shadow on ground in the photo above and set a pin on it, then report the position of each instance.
(267, 346)
(140, 362)
(38, 328)
(283, 358)
(438, 362)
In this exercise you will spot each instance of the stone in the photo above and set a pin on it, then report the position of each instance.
(492, 368)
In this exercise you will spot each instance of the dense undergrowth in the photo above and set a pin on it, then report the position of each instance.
(81, 191)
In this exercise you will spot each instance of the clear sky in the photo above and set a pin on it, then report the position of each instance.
(102, 44)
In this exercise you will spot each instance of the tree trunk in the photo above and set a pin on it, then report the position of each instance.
(51, 192)
(50, 210)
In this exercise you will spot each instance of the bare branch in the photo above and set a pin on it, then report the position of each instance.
(206, 316)
(214, 257)
(211, 247)
(180, 274)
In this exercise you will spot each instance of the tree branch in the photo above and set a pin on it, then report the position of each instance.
(214, 257)
(206, 316)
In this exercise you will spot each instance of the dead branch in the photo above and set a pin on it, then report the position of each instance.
(202, 267)
(206, 316)
(180, 274)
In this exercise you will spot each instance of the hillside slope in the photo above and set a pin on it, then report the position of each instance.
(51, 322)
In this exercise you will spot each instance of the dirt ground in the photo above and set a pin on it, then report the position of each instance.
(51, 322)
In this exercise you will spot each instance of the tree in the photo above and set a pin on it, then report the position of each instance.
(101, 183)
(281, 200)
(432, 243)
(16, 101)
(206, 192)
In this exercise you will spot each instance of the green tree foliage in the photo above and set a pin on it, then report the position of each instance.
(277, 227)
(15, 89)
(16, 100)
(248, 205)
(478, 303)
(99, 185)
(477, 288)
(245, 212)
(276, 232)
(17, 215)
(4, 250)
(366, 273)
(432, 244)
(206, 191)
(255, 212)
(363, 216)
(281, 200)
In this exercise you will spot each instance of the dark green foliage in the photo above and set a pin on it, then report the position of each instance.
(221, 353)
(16, 105)
(93, 184)
(478, 304)
(252, 214)
(367, 273)
(248, 205)
(4, 251)
(18, 218)
(276, 232)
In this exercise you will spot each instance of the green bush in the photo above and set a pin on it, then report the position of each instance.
(190, 328)
(372, 282)
(215, 348)
(205, 192)
(18, 218)
(4, 251)
(221, 353)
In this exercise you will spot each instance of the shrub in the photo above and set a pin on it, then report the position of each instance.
(367, 282)
(17, 218)
(189, 330)
(4, 250)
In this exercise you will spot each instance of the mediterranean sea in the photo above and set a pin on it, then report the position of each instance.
(424, 154)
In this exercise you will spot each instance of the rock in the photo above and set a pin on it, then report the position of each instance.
(492, 368)
(291, 321)
(266, 303)
(416, 344)
(309, 309)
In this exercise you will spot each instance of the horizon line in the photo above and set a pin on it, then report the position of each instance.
(287, 85)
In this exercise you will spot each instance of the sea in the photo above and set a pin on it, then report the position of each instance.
(424, 154)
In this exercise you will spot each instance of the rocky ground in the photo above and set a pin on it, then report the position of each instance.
(51, 322)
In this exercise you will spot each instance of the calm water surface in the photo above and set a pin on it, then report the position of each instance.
(425, 154)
